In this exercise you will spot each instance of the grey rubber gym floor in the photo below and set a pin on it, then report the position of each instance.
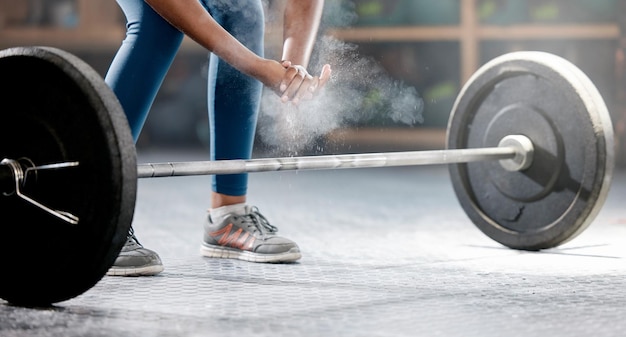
(386, 252)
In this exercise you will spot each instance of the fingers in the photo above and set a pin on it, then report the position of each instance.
(325, 75)
(296, 80)
(320, 81)
(298, 84)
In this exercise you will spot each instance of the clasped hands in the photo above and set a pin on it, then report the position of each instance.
(297, 84)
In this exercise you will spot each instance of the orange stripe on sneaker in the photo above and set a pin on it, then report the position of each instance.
(240, 244)
(227, 237)
(234, 240)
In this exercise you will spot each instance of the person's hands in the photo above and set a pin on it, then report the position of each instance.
(291, 83)
(297, 84)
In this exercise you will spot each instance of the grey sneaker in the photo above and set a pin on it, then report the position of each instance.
(248, 237)
(135, 260)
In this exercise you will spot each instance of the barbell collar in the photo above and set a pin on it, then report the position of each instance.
(18, 177)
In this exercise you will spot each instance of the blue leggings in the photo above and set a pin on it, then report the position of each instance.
(146, 54)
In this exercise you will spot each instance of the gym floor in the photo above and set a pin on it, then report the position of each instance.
(386, 252)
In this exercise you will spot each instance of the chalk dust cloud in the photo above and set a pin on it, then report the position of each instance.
(359, 92)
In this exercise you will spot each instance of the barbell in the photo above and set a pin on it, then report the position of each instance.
(529, 151)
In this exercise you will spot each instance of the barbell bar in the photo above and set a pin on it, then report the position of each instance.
(529, 150)
(516, 152)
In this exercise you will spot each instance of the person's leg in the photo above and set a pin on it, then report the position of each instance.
(234, 98)
(141, 63)
(135, 75)
(234, 229)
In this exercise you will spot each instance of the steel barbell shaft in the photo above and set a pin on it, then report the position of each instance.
(153, 170)
(515, 153)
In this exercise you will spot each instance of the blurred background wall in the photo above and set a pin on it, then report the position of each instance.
(431, 45)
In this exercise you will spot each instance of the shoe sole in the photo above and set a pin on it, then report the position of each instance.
(228, 253)
(141, 271)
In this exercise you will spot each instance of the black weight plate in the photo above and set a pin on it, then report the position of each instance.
(56, 108)
(549, 100)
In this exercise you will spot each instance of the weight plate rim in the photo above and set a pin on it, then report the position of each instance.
(492, 72)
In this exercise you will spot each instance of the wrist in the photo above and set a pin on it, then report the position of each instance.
(264, 70)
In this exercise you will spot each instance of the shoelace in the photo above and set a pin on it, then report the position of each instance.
(131, 236)
(259, 221)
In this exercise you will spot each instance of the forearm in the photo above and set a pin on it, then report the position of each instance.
(301, 23)
(192, 19)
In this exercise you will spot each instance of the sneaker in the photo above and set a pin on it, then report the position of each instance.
(245, 234)
(135, 260)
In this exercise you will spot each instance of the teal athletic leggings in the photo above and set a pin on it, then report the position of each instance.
(146, 54)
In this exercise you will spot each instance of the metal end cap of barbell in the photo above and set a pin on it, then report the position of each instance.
(524, 152)
(15, 175)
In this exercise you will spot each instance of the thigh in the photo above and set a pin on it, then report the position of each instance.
(244, 19)
(141, 63)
